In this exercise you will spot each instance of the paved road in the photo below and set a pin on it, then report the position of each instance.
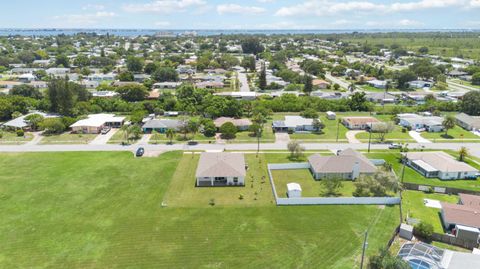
(473, 147)
(242, 77)
(339, 81)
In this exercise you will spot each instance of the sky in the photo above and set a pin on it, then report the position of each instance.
(242, 14)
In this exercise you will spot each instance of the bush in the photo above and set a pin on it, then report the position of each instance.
(1, 135)
(424, 230)
(20, 132)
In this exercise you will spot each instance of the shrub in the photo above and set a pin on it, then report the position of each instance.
(20, 132)
(424, 230)
(240, 197)
(212, 202)
(1, 135)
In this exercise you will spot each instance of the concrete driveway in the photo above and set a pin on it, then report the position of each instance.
(144, 140)
(103, 139)
(417, 137)
(351, 136)
(282, 138)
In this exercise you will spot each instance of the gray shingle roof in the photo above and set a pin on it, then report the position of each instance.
(222, 164)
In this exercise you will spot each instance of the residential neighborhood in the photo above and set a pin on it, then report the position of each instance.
(189, 143)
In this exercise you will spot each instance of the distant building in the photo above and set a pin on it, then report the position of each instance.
(161, 126)
(467, 122)
(241, 124)
(293, 124)
(359, 123)
(416, 122)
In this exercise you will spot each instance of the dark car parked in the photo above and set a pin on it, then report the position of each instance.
(140, 152)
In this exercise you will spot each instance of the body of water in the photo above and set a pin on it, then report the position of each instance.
(146, 32)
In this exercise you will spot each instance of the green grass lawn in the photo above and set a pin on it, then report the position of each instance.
(310, 187)
(183, 193)
(414, 207)
(158, 138)
(119, 137)
(103, 210)
(67, 138)
(454, 135)
(10, 138)
(412, 176)
(247, 137)
(397, 136)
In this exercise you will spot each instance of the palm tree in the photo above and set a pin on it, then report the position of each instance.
(463, 154)
(448, 123)
(126, 130)
(351, 87)
(170, 133)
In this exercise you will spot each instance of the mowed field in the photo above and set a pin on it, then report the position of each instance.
(104, 210)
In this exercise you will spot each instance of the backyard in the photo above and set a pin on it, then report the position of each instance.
(104, 209)
(414, 207)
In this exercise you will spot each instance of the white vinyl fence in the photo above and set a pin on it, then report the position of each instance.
(323, 200)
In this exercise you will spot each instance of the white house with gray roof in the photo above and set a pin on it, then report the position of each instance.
(293, 124)
(221, 169)
(440, 165)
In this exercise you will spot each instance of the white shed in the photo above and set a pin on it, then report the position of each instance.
(331, 115)
(406, 231)
(294, 190)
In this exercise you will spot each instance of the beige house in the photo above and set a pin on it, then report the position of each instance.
(359, 123)
(221, 169)
(348, 164)
(241, 124)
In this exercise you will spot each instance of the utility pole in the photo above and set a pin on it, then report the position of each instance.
(338, 127)
(369, 138)
(365, 243)
(259, 132)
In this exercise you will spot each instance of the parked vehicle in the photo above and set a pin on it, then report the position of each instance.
(106, 130)
(395, 146)
(140, 152)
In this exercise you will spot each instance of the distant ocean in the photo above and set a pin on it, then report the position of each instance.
(145, 32)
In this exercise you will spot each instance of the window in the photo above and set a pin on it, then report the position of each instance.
(235, 179)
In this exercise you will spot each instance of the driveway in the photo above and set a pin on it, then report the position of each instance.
(351, 137)
(283, 138)
(417, 137)
(103, 139)
(144, 140)
(37, 137)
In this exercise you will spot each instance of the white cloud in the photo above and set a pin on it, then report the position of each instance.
(93, 7)
(266, 1)
(409, 23)
(78, 20)
(238, 9)
(162, 23)
(474, 3)
(164, 6)
(328, 7)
